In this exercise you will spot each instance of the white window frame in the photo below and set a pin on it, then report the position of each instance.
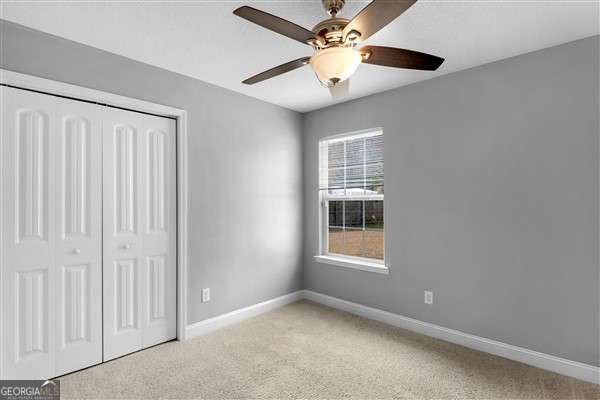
(341, 260)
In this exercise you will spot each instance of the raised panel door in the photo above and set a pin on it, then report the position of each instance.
(122, 216)
(78, 256)
(28, 167)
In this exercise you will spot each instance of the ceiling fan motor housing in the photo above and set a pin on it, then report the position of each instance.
(331, 31)
(333, 7)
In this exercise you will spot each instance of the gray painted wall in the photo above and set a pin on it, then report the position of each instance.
(491, 184)
(491, 190)
(245, 225)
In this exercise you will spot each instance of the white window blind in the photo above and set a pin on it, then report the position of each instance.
(352, 165)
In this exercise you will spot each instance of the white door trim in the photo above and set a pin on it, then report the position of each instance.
(105, 98)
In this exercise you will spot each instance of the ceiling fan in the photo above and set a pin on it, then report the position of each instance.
(336, 43)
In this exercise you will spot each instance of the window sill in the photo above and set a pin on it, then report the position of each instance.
(354, 264)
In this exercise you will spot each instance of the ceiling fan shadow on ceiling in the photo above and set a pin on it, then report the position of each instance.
(336, 43)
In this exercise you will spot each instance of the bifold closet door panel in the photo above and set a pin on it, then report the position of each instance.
(122, 217)
(28, 203)
(139, 231)
(51, 308)
(159, 231)
(78, 282)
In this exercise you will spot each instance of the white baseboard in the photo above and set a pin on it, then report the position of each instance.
(559, 365)
(545, 361)
(211, 324)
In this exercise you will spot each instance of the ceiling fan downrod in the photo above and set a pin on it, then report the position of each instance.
(333, 7)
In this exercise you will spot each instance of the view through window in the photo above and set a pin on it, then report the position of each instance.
(351, 192)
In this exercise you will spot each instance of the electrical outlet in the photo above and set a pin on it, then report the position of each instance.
(428, 297)
(205, 295)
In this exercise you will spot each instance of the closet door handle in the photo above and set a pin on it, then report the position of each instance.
(76, 251)
(127, 246)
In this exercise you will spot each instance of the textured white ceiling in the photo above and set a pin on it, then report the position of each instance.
(203, 39)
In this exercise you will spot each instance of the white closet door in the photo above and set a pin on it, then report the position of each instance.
(28, 233)
(78, 281)
(51, 302)
(139, 231)
(122, 136)
(159, 231)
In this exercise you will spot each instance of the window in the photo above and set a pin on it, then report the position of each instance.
(351, 199)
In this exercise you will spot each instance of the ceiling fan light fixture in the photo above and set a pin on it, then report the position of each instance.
(335, 64)
(336, 40)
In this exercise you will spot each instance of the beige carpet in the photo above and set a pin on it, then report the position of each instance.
(305, 350)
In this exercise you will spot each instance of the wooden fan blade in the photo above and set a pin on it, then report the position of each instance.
(375, 16)
(278, 70)
(276, 24)
(340, 90)
(400, 58)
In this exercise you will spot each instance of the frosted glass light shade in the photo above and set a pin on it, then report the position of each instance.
(335, 64)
